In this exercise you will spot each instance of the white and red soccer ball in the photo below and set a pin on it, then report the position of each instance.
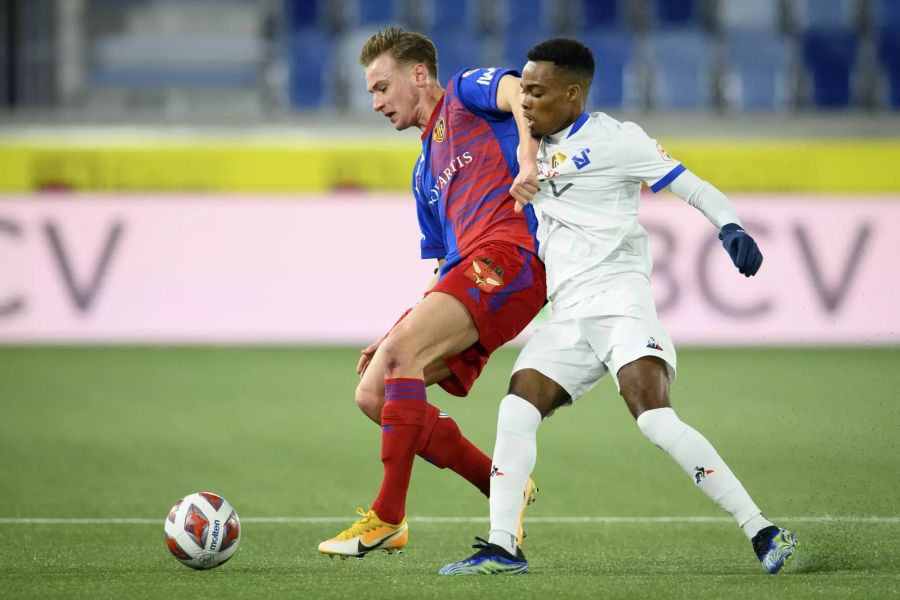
(202, 530)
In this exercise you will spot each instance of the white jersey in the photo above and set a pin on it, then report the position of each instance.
(588, 205)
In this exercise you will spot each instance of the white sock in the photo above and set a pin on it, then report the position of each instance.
(699, 459)
(515, 454)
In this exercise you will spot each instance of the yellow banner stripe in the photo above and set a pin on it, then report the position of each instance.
(820, 165)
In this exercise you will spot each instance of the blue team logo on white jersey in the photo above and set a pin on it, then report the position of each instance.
(582, 160)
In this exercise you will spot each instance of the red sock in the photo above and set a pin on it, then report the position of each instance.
(402, 422)
(444, 446)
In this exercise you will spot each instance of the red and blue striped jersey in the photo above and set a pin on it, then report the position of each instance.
(462, 178)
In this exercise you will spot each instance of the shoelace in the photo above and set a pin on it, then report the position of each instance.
(480, 543)
(363, 524)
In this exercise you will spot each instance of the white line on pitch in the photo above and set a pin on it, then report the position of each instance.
(424, 519)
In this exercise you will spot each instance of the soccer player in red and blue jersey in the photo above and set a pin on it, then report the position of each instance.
(489, 283)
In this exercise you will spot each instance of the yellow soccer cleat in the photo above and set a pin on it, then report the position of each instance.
(367, 534)
(528, 497)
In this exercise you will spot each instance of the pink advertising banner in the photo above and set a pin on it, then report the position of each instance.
(340, 269)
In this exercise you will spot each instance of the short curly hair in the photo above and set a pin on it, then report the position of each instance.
(567, 54)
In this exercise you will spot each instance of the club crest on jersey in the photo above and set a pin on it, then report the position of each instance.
(486, 274)
(438, 135)
(557, 159)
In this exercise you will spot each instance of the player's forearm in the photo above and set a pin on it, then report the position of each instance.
(528, 146)
(509, 99)
(706, 198)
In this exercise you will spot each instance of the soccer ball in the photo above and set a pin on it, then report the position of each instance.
(202, 530)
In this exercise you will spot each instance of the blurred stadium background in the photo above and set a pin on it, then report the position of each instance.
(201, 219)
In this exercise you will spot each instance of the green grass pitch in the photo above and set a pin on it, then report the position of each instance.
(124, 432)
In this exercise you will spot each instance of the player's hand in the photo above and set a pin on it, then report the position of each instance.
(367, 353)
(525, 185)
(741, 248)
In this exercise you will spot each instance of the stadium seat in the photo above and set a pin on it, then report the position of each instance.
(887, 14)
(457, 49)
(6, 96)
(349, 71)
(377, 12)
(613, 52)
(598, 14)
(436, 15)
(303, 14)
(517, 44)
(757, 70)
(760, 15)
(175, 61)
(889, 58)
(348, 15)
(682, 63)
(523, 14)
(311, 64)
(824, 14)
(676, 13)
(829, 56)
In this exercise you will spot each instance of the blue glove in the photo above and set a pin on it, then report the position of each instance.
(741, 248)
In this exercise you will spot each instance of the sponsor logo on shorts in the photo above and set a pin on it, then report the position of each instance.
(651, 343)
(486, 274)
(495, 470)
(700, 474)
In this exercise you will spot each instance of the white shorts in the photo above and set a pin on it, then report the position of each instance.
(603, 333)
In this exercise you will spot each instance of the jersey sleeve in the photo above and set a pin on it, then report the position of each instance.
(432, 241)
(643, 158)
(477, 90)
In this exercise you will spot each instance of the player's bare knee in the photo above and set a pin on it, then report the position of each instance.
(399, 353)
(536, 388)
(369, 400)
(642, 395)
(644, 384)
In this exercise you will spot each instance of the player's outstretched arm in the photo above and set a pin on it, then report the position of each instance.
(706, 198)
(525, 185)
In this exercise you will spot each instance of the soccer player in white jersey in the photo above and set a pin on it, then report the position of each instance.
(604, 319)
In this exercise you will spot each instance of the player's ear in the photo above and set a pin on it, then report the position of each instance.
(420, 75)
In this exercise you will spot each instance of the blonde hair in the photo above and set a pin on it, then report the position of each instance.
(406, 48)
